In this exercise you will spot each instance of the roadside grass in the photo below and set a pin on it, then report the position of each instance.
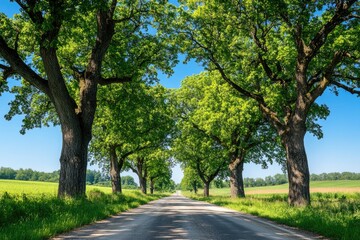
(333, 215)
(41, 215)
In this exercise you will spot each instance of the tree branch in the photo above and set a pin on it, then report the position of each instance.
(29, 8)
(327, 77)
(340, 15)
(20, 67)
(351, 90)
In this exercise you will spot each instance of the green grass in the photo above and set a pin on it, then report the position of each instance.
(335, 184)
(333, 215)
(34, 188)
(338, 186)
(31, 210)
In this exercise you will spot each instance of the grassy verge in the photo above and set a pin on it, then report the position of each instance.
(40, 216)
(333, 215)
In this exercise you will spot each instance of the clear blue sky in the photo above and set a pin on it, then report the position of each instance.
(338, 151)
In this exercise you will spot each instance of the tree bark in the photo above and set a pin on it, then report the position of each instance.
(297, 167)
(73, 163)
(152, 183)
(236, 167)
(115, 171)
(206, 189)
(142, 181)
(195, 187)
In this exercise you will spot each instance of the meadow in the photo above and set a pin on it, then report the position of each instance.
(334, 211)
(31, 210)
(339, 186)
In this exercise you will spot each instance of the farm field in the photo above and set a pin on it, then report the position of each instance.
(31, 210)
(35, 188)
(340, 186)
(334, 211)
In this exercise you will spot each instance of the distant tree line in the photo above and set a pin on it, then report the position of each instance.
(277, 179)
(282, 178)
(28, 175)
(93, 177)
(335, 176)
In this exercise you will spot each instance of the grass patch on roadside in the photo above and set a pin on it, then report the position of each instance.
(43, 215)
(333, 215)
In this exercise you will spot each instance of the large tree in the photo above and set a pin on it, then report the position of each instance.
(209, 105)
(131, 117)
(192, 148)
(159, 169)
(64, 49)
(283, 54)
(191, 180)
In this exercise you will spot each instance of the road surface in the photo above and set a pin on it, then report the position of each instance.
(177, 217)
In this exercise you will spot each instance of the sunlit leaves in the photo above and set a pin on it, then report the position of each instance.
(132, 117)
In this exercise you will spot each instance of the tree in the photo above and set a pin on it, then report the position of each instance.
(194, 149)
(7, 173)
(159, 171)
(132, 117)
(282, 54)
(211, 106)
(63, 50)
(128, 182)
(191, 180)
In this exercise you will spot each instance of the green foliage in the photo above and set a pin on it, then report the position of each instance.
(41, 216)
(131, 117)
(210, 111)
(92, 176)
(128, 182)
(137, 50)
(191, 180)
(331, 215)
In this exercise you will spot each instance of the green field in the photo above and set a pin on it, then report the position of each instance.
(334, 211)
(340, 186)
(31, 210)
(35, 188)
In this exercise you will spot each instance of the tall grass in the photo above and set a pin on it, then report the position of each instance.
(40, 216)
(332, 215)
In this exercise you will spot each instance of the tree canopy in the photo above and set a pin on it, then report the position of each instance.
(282, 54)
(63, 49)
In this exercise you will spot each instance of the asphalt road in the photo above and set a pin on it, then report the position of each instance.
(177, 217)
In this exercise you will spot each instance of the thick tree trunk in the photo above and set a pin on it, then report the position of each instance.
(115, 171)
(297, 167)
(73, 163)
(236, 167)
(142, 181)
(206, 189)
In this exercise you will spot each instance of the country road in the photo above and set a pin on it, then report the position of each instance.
(177, 217)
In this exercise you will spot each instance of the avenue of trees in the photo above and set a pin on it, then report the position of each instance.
(281, 54)
(91, 67)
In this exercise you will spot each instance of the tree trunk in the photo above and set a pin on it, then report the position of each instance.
(297, 167)
(73, 163)
(206, 189)
(115, 171)
(152, 183)
(236, 167)
(142, 181)
(195, 187)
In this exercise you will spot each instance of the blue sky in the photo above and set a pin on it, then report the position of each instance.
(338, 151)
